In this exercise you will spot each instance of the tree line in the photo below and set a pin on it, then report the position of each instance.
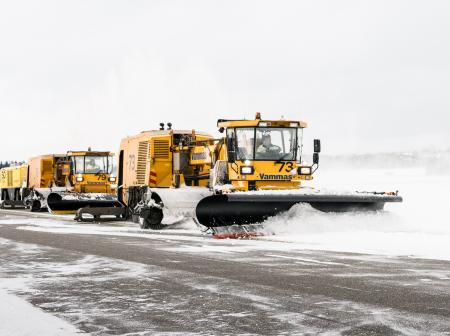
(10, 164)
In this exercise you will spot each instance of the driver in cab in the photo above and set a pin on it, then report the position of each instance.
(267, 148)
(92, 167)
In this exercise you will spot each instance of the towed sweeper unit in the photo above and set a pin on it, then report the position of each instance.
(161, 173)
(255, 171)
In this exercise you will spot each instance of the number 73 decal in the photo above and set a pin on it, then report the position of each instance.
(287, 166)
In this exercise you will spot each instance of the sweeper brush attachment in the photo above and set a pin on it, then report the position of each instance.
(240, 231)
(243, 208)
(69, 203)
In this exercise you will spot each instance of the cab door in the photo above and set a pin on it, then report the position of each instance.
(161, 168)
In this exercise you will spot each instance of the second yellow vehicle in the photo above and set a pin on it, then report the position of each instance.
(61, 183)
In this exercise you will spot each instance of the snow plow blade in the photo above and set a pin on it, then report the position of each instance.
(245, 208)
(69, 203)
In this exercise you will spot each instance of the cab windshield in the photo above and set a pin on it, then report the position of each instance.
(265, 143)
(92, 164)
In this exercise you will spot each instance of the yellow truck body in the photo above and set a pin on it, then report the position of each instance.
(156, 159)
(13, 177)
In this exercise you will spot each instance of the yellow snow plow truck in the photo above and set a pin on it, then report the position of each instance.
(253, 172)
(61, 183)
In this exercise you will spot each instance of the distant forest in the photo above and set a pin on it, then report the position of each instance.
(9, 164)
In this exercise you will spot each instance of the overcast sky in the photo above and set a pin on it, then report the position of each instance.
(367, 76)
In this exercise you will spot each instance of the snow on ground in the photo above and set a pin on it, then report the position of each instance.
(23, 319)
(61, 284)
(418, 227)
(104, 296)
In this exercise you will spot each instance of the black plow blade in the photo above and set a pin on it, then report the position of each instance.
(246, 208)
(67, 203)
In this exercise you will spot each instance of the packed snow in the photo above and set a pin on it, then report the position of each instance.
(23, 319)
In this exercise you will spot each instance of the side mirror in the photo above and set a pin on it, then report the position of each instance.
(316, 158)
(221, 130)
(231, 151)
(316, 145)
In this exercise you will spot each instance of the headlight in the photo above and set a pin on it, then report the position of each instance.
(293, 124)
(247, 170)
(79, 178)
(304, 170)
(112, 179)
(262, 124)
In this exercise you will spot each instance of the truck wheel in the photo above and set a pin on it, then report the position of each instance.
(152, 219)
(35, 206)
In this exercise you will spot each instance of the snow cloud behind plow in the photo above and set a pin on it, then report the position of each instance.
(418, 227)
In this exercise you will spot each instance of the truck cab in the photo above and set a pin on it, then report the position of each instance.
(264, 154)
(90, 172)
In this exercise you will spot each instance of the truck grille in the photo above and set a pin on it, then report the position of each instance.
(161, 149)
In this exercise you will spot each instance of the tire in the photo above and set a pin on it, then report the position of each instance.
(16, 198)
(151, 219)
(35, 206)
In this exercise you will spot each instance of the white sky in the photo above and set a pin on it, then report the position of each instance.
(368, 76)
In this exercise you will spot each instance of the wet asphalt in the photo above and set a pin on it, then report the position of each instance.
(161, 284)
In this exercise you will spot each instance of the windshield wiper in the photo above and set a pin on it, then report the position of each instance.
(283, 157)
